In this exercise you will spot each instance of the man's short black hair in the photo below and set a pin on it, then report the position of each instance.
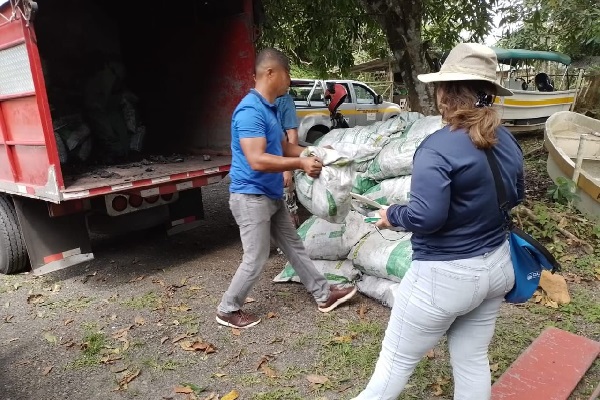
(271, 54)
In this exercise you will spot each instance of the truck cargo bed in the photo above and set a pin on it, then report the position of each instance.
(148, 172)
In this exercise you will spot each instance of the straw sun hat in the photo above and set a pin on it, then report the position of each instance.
(468, 62)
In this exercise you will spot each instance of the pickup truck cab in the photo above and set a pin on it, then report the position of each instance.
(362, 106)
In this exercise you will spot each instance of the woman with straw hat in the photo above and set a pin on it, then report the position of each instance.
(461, 267)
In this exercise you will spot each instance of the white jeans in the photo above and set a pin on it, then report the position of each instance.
(461, 298)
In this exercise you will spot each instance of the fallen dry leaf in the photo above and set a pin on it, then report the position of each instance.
(116, 369)
(184, 389)
(317, 379)
(110, 358)
(271, 315)
(50, 338)
(121, 333)
(179, 337)
(68, 321)
(139, 278)
(35, 299)
(195, 288)
(494, 367)
(198, 346)
(342, 339)
(263, 359)
(47, 370)
(181, 308)
(236, 331)
(268, 371)
(556, 287)
(164, 339)
(233, 395)
(431, 354)
(139, 321)
(362, 311)
(127, 378)
(8, 318)
(219, 375)
(211, 396)
(249, 300)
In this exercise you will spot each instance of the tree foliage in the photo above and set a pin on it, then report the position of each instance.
(326, 36)
(568, 26)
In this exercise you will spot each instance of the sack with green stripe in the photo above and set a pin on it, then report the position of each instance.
(327, 196)
(324, 240)
(380, 289)
(384, 254)
(396, 157)
(335, 272)
(391, 191)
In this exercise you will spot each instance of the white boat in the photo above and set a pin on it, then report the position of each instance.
(573, 143)
(537, 94)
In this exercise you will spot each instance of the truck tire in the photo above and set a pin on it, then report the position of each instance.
(13, 253)
(313, 135)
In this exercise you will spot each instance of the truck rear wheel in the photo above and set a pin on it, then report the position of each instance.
(13, 253)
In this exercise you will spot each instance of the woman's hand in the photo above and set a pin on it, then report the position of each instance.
(383, 223)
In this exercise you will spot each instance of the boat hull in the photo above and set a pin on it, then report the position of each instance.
(562, 136)
(528, 110)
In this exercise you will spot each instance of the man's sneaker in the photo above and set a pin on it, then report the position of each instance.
(237, 319)
(339, 295)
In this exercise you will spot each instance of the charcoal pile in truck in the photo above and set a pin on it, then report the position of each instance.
(95, 115)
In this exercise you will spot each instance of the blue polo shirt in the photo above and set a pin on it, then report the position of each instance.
(286, 112)
(255, 117)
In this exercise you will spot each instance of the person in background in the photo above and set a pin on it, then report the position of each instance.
(286, 113)
(260, 155)
(461, 268)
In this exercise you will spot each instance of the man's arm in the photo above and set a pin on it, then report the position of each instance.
(255, 151)
(292, 135)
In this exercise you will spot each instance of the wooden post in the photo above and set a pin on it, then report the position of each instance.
(579, 161)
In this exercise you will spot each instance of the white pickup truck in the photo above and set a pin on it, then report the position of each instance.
(362, 106)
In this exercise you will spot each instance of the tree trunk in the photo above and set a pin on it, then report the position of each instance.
(401, 22)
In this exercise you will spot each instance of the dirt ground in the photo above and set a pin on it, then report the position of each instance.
(69, 335)
(138, 322)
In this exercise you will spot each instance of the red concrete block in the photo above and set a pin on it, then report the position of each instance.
(549, 369)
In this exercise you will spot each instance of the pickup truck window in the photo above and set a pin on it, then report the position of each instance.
(363, 95)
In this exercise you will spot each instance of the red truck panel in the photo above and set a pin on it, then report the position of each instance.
(28, 156)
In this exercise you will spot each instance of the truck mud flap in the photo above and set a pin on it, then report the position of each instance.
(53, 243)
(187, 212)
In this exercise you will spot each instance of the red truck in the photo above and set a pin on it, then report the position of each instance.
(188, 65)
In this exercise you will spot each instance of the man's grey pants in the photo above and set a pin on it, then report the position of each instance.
(261, 219)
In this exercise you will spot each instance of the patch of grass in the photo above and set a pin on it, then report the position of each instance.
(584, 305)
(351, 359)
(93, 343)
(75, 305)
(279, 394)
(292, 373)
(149, 300)
(161, 366)
(248, 380)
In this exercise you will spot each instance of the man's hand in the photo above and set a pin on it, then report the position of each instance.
(383, 223)
(288, 180)
(312, 166)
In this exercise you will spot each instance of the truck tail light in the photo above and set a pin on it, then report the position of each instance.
(119, 203)
(135, 200)
(152, 199)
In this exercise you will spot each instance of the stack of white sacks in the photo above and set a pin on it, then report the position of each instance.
(375, 161)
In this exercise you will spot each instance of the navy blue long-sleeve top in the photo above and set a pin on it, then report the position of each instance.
(453, 209)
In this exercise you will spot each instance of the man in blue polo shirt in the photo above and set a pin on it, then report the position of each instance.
(260, 155)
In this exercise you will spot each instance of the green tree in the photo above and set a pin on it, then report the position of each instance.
(568, 26)
(327, 35)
